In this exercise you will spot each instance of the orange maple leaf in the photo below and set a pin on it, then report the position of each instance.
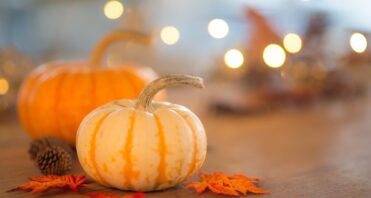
(43, 183)
(220, 183)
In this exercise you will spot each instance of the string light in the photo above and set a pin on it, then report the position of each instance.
(292, 43)
(169, 35)
(358, 42)
(113, 9)
(218, 28)
(233, 58)
(4, 86)
(274, 56)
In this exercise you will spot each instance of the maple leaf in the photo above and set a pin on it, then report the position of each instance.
(220, 183)
(244, 186)
(44, 183)
(243, 177)
(199, 187)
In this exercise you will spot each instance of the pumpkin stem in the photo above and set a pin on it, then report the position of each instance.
(144, 101)
(113, 37)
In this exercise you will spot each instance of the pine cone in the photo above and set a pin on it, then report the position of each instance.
(38, 145)
(54, 161)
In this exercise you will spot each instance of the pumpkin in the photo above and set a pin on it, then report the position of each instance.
(55, 97)
(142, 145)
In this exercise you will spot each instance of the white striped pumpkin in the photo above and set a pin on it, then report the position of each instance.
(140, 145)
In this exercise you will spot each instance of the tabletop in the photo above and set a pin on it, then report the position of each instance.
(319, 150)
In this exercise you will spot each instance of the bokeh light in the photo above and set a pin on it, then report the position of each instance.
(169, 35)
(218, 28)
(292, 43)
(113, 9)
(4, 86)
(274, 56)
(358, 42)
(233, 58)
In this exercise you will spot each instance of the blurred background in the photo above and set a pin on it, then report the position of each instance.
(287, 81)
(265, 53)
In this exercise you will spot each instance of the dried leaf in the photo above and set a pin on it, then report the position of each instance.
(199, 187)
(104, 195)
(216, 183)
(243, 177)
(43, 183)
(220, 183)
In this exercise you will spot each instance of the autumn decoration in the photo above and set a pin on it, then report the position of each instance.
(56, 96)
(143, 145)
(51, 155)
(233, 185)
(44, 183)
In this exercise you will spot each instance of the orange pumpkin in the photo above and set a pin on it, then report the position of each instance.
(56, 96)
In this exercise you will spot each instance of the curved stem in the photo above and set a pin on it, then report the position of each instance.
(144, 101)
(113, 37)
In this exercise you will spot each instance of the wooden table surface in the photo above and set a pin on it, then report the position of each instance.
(321, 150)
